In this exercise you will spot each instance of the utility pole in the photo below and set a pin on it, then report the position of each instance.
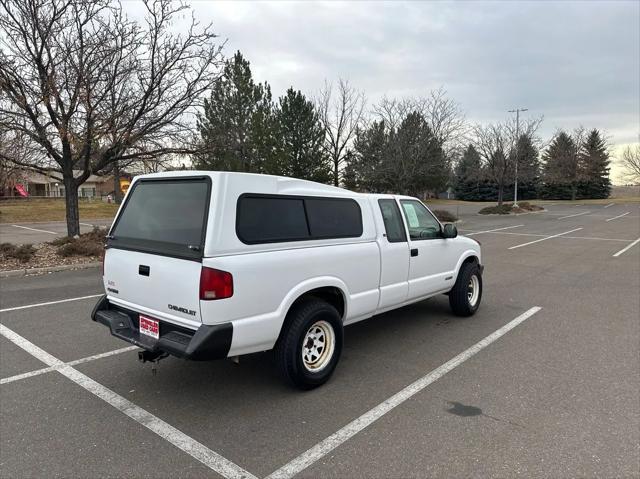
(515, 189)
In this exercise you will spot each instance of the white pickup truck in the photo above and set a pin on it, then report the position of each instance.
(206, 265)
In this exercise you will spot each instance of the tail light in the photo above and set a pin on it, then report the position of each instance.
(104, 253)
(215, 284)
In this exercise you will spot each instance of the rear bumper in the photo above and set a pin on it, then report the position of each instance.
(207, 342)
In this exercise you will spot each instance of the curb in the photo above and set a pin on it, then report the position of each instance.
(50, 269)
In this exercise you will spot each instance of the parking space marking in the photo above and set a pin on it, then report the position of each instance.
(610, 204)
(206, 456)
(36, 305)
(491, 231)
(75, 362)
(34, 229)
(86, 224)
(562, 237)
(327, 445)
(626, 248)
(577, 214)
(619, 216)
(544, 239)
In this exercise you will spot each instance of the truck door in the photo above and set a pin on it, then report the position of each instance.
(394, 256)
(433, 258)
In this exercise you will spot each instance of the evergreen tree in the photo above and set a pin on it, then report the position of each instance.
(594, 167)
(418, 158)
(301, 137)
(468, 175)
(561, 172)
(528, 168)
(236, 126)
(369, 168)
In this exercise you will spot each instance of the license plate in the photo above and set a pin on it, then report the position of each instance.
(149, 327)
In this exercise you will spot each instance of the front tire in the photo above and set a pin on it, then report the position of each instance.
(310, 344)
(465, 296)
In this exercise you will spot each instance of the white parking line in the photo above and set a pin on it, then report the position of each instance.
(619, 216)
(491, 231)
(87, 224)
(626, 248)
(206, 456)
(324, 447)
(562, 237)
(16, 308)
(577, 214)
(38, 372)
(34, 229)
(544, 239)
(610, 204)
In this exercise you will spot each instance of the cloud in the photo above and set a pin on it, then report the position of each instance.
(576, 63)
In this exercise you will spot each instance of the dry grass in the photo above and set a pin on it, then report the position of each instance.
(52, 209)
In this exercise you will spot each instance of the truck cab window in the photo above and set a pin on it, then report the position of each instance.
(422, 224)
(392, 221)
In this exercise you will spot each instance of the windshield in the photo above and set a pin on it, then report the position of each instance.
(164, 216)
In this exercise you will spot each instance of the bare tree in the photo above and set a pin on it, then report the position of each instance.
(631, 163)
(90, 88)
(445, 118)
(492, 143)
(442, 114)
(340, 115)
(392, 111)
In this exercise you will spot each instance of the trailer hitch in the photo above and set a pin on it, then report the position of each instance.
(152, 357)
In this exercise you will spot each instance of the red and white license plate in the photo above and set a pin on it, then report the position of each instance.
(149, 327)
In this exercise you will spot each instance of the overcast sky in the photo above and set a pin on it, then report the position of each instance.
(575, 62)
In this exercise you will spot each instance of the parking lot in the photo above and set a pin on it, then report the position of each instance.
(542, 381)
(32, 233)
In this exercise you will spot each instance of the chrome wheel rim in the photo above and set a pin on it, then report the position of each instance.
(317, 346)
(473, 290)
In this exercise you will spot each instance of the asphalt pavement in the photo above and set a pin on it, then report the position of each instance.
(556, 394)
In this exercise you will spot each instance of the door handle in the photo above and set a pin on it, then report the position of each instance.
(414, 252)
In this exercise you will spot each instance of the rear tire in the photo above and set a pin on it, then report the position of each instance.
(310, 344)
(465, 296)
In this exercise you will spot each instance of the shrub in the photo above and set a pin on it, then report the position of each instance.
(496, 210)
(81, 247)
(445, 216)
(7, 248)
(61, 241)
(97, 234)
(23, 253)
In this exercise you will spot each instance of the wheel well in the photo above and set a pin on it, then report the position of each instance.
(330, 294)
(470, 259)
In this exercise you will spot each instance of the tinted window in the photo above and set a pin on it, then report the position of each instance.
(164, 214)
(421, 223)
(392, 221)
(270, 219)
(334, 218)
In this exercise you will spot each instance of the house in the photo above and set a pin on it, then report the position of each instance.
(49, 184)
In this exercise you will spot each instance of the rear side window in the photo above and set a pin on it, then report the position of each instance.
(280, 218)
(263, 220)
(334, 218)
(392, 221)
(164, 216)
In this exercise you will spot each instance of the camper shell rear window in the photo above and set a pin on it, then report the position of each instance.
(166, 216)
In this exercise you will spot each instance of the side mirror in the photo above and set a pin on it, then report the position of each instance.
(449, 231)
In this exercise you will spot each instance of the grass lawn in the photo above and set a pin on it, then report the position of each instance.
(34, 210)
